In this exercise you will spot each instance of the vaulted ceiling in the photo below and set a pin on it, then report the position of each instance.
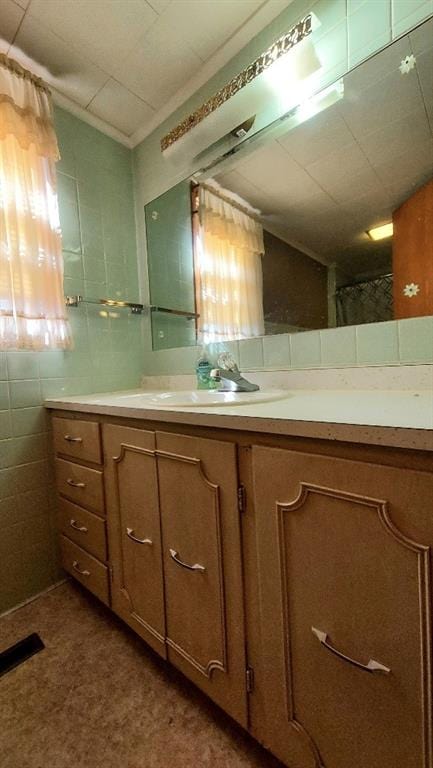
(125, 65)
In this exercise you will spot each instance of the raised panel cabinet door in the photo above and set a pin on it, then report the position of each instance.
(345, 606)
(202, 566)
(134, 533)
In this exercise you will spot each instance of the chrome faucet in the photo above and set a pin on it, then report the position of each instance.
(230, 376)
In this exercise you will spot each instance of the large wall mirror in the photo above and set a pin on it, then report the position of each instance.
(325, 219)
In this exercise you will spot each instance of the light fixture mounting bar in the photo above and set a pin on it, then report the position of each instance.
(279, 48)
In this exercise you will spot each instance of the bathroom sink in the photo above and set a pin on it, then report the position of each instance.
(198, 398)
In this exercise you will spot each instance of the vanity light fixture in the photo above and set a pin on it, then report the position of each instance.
(379, 233)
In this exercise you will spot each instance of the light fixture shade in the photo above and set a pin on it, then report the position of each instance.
(380, 233)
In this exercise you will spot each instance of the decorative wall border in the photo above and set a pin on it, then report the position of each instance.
(280, 47)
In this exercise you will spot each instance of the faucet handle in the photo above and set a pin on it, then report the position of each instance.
(215, 374)
(227, 362)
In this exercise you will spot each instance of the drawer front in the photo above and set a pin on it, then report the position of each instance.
(89, 572)
(84, 528)
(78, 439)
(80, 484)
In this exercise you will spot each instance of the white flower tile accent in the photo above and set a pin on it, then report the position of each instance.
(407, 64)
(411, 289)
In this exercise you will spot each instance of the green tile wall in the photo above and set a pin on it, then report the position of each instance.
(98, 225)
(349, 32)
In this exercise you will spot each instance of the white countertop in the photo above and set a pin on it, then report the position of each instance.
(386, 417)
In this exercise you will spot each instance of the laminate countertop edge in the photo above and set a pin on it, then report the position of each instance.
(367, 434)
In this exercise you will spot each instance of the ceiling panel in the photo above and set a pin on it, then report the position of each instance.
(424, 65)
(63, 67)
(389, 100)
(205, 24)
(316, 138)
(119, 107)
(104, 30)
(10, 19)
(149, 70)
(394, 139)
(159, 5)
(421, 37)
(339, 167)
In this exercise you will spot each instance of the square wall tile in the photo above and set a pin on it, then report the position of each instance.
(338, 346)
(276, 351)
(369, 28)
(29, 421)
(377, 343)
(416, 340)
(5, 425)
(407, 13)
(70, 226)
(4, 395)
(22, 365)
(3, 367)
(25, 393)
(305, 349)
(250, 353)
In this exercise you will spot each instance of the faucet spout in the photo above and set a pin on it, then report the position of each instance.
(232, 380)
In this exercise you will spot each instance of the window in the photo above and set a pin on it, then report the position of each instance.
(228, 270)
(32, 307)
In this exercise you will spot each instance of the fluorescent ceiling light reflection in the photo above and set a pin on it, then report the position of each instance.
(379, 233)
(320, 101)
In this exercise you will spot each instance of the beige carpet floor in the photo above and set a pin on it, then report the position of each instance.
(96, 697)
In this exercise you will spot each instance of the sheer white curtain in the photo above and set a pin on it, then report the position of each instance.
(32, 307)
(229, 280)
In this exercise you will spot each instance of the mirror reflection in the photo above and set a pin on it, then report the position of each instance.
(324, 221)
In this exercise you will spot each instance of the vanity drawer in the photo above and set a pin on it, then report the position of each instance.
(83, 527)
(83, 567)
(80, 484)
(78, 439)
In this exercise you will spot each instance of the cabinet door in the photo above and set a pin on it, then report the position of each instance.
(344, 568)
(202, 566)
(134, 533)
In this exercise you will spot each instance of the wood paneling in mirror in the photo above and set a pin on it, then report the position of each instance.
(412, 254)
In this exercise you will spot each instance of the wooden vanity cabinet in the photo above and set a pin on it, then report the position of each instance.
(289, 579)
(134, 531)
(202, 555)
(175, 554)
(344, 578)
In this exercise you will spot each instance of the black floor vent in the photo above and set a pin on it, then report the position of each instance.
(19, 652)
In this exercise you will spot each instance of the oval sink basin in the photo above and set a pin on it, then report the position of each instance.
(198, 398)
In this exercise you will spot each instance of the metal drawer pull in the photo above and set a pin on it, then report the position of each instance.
(77, 568)
(71, 439)
(372, 666)
(130, 533)
(74, 483)
(195, 567)
(77, 527)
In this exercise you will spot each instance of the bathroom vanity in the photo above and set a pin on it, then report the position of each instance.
(283, 565)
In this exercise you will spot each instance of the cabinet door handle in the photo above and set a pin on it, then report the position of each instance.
(76, 567)
(77, 527)
(131, 534)
(71, 439)
(75, 483)
(196, 567)
(372, 666)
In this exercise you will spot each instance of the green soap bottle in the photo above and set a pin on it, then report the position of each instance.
(203, 368)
